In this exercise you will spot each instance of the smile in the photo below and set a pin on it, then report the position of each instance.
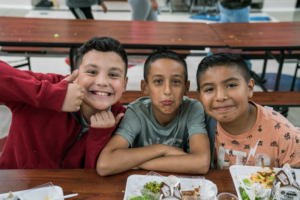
(167, 103)
(222, 109)
(101, 94)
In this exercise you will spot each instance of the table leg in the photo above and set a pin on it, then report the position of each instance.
(295, 75)
(262, 77)
(257, 81)
(71, 56)
(279, 70)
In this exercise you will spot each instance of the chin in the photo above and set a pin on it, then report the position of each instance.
(102, 106)
(225, 119)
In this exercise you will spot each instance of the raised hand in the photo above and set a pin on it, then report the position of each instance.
(75, 94)
(105, 119)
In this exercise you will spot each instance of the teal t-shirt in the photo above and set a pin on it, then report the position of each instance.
(140, 128)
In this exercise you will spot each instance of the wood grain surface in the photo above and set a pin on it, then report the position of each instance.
(281, 35)
(88, 184)
(16, 31)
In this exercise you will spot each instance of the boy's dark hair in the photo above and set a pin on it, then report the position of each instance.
(164, 54)
(104, 44)
(223, 59)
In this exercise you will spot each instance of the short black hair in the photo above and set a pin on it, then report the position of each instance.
(223, 59)
(104, 44)
(164, 54)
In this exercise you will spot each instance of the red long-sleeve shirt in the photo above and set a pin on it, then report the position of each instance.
(41, 136)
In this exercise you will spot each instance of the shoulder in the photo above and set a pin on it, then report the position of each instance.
(190, 104)
(272, 116)
(143, 102)
(276, 121)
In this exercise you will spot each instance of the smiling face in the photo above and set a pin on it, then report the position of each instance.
(224, 93)
(166, 87)
(102, 76)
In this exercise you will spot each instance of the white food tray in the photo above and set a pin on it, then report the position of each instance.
(57, 189)
(136, 182)
(246, 171)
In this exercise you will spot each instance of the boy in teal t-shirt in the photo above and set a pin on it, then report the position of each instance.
(160, 127)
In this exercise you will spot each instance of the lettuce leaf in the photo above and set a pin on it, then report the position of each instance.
(247, 182)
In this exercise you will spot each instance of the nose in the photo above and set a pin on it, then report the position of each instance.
(102, 80)
(167, 89)
(221, 94)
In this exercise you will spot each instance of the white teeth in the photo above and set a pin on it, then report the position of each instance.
(101, 93)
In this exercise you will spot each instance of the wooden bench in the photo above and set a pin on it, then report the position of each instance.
(291, 99)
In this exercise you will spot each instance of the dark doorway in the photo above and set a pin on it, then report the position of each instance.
(298, 4)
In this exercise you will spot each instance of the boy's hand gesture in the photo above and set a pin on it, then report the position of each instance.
(75, 94)
(105, 119)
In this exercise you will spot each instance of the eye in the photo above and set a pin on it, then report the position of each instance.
(231, 85)
(92, 72)
(113, 75)
(208, 90)
(176, 81)
(158, 81)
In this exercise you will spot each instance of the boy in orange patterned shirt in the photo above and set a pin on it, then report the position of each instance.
(247, 133)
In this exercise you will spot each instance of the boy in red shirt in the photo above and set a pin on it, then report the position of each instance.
(64, 122)
(247, 133)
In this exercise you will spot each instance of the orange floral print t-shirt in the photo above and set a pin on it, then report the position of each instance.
(272, 141)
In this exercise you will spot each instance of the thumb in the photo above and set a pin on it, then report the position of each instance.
(72, 77)
(119, 117)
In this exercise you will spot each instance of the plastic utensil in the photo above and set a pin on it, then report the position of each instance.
(64, 197)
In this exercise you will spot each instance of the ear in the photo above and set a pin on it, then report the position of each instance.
(144, 87)
(251, 84)
(187, 87)
(125, 84)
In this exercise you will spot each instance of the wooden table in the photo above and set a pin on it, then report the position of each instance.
(88, 184)
(34, 32)
(283, 36)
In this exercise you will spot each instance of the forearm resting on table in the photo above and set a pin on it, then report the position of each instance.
(113, 161)
(189, 164)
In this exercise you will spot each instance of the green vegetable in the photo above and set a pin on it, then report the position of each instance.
(258, 177)
(140, 198)
(137, 198)
(243, 193)
(153, 187)
(270, 178)
(268, 184)
(247, 182)
(151, 195)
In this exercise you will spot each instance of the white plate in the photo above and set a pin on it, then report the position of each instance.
(245, 172)
(136, 182)
(58, 190)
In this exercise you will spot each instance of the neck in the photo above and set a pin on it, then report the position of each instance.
(242, 124)
(164, 119)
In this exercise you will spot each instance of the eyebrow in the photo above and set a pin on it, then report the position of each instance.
(225, 81)
(110, 69)
(91, 65)
(115, 69)
(159, 75)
